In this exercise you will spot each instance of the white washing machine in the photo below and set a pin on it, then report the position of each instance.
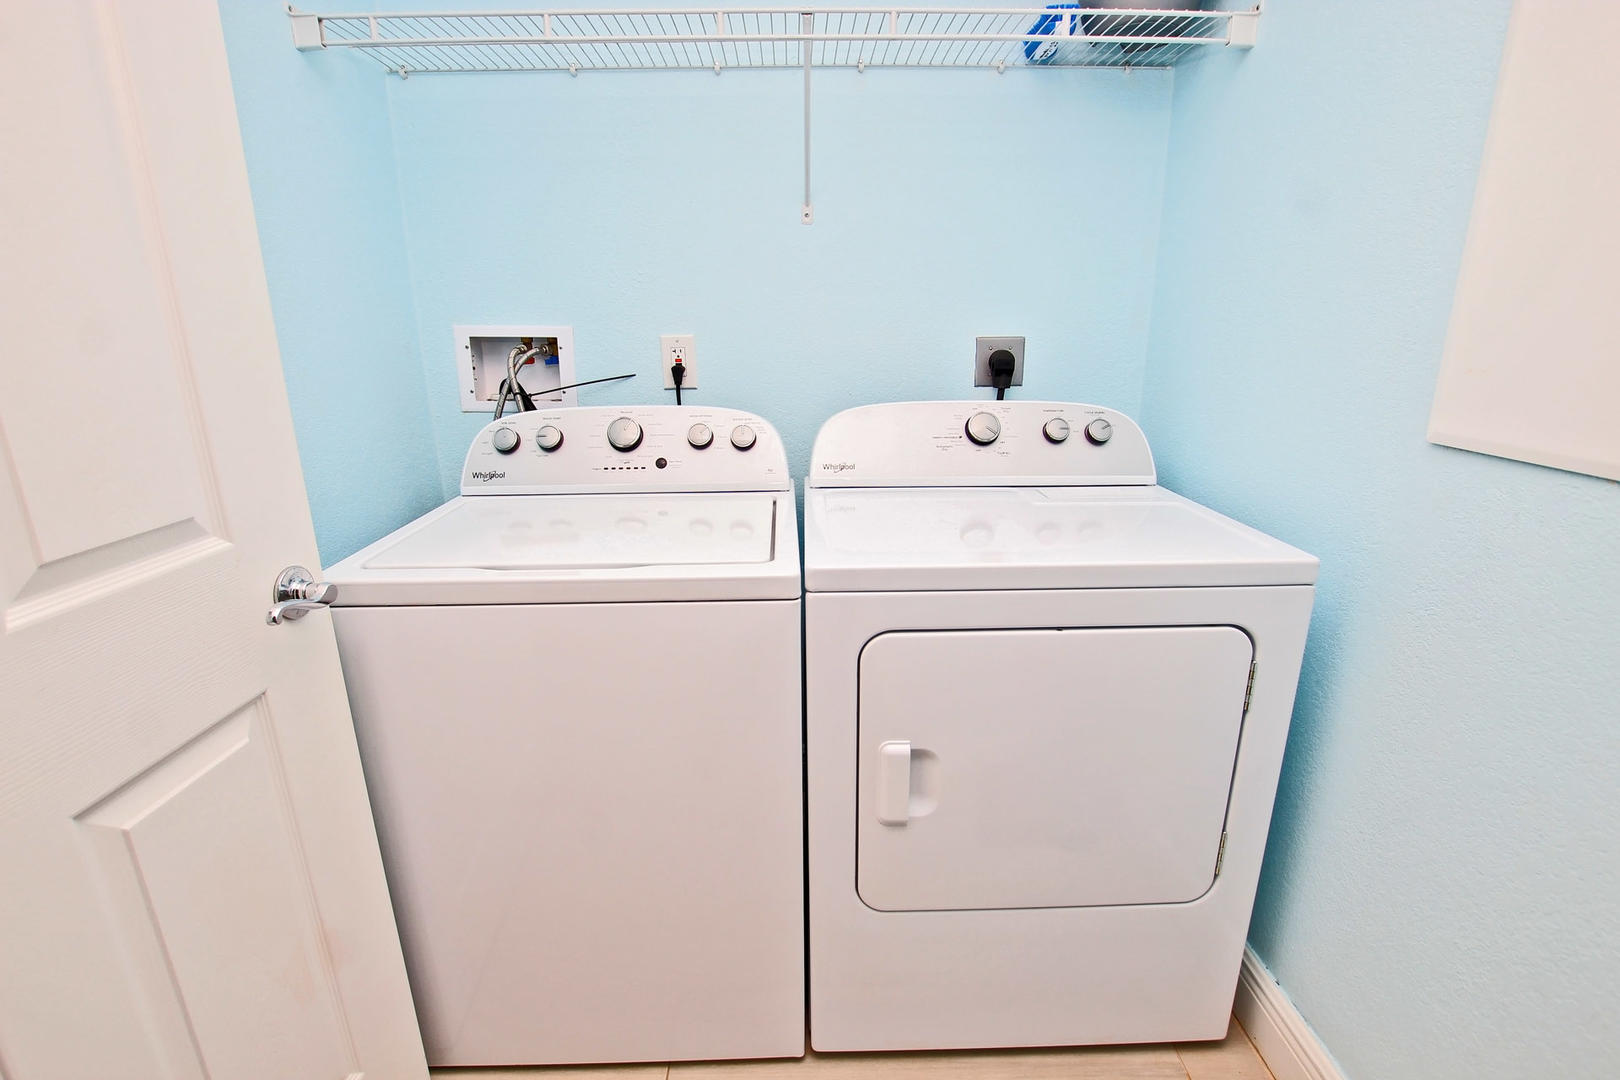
(577, 693)
(1046, 708)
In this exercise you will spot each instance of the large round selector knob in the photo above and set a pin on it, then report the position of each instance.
(548, 438)
(1099, 431)
(743, 437)
(624, 434)
(1056, 430)
(700, 436)
(505, 440)
(983, 428)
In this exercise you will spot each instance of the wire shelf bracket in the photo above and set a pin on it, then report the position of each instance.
(714, 39)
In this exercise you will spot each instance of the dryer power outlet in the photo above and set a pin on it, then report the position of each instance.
(984, 346)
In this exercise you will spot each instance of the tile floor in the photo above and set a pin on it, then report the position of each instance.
(1232, 1059)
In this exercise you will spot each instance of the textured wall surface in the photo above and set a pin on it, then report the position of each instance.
(1440, 890)
(947, 204)
(321, 165)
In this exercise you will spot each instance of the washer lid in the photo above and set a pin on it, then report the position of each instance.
(581, 548)
(581, 532)
(1033, 538)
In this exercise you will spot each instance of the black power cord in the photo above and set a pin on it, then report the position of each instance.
(527, 402)
(1002, 363)
(677, 375)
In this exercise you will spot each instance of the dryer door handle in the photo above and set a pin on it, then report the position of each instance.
(894, 782)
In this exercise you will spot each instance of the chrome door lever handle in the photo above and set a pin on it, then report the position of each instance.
(289, 610)
(296, 593)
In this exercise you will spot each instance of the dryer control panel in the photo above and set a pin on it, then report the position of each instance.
(626, 449)
(980, 444)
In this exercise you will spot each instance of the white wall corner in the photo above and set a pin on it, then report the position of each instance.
(1290, 1048)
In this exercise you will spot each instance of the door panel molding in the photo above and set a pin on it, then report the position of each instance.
(217, 809)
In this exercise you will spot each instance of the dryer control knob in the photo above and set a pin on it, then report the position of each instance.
(1056, 430)
(700, 436)
(624, 434)
(743, 437)
(548, 438)
(983, 428)
(505, 440)
(1099, 431)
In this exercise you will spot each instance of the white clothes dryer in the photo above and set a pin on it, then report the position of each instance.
(1046, 707)
(577, 693)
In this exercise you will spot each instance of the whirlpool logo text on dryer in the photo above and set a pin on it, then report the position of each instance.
(837, 466)
(486, 477)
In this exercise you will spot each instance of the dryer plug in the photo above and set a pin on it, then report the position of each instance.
(677, 375)
(1002, 363)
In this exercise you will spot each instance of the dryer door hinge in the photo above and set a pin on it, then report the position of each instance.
(1220, 854)
(1248, 691)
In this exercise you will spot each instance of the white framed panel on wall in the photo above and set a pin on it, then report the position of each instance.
(1531, 368)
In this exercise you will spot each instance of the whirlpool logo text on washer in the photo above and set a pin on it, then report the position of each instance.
(837, 466)
(486, 477)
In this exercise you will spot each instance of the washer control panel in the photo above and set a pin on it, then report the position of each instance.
(980, 444)
(628, 448)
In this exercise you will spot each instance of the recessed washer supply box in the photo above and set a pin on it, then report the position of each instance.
(481, 352)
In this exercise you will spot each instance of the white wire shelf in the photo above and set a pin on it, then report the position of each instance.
(720, 38)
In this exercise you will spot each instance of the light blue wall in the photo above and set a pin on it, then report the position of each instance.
(1439, 896)
(947, 204)
(321, 164)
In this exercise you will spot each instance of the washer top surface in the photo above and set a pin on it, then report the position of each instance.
(587, 532)
(597, 505)
(904, 497)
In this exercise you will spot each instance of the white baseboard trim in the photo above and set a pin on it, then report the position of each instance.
(1290, 1048)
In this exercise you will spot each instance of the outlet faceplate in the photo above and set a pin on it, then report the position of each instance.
(984, 346)
(682, 347)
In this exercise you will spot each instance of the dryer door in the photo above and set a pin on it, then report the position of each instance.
(1046, 768)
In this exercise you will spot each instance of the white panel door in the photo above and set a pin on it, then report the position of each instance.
(189, 878)
(1046, 768)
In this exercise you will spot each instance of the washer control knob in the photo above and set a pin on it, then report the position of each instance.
(983, 428)
(700, 436)
(1099, 431)
(505, 440)
(743, 437)
(1056, 430)
(624, 434)
(548, 438)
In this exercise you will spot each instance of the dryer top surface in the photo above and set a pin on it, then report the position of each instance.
(945, 539)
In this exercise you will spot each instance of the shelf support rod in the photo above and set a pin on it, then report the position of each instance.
(807, 214)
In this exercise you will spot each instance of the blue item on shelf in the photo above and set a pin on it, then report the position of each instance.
(1041, 52)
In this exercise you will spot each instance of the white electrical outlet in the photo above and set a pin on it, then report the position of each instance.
(682, 347)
